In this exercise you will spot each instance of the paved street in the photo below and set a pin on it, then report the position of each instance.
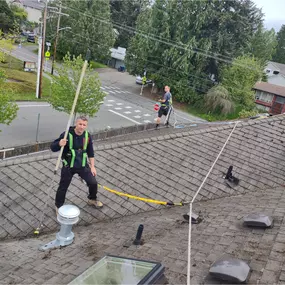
(123, 106)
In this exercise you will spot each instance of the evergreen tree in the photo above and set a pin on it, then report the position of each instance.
(90, 28)
(263, 44)
(280, 49)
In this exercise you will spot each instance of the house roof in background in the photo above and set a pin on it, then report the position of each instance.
(279, 66)
(270, 88)
(35, 4)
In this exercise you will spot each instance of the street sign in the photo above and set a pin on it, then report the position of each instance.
(48, 44)
(47, 54)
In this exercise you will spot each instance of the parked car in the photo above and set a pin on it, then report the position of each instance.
(139, 80)
(31, 38)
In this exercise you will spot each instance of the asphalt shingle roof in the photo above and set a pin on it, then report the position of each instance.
(169, 168)
(165, 240)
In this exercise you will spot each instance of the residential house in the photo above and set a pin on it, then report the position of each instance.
(34, 8)
(117, 57)
(270, 97)
(275, 73)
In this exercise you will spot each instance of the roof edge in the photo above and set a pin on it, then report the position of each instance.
(16, 161)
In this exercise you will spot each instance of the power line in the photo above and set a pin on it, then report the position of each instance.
(132, 30)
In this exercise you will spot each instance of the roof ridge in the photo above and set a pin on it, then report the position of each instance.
(190, 132)
(17, 160)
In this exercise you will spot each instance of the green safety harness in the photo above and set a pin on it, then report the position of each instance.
(74, 151)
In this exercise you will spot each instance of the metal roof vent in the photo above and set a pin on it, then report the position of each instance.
(258, 220)
(230, 269)
(195, 219)
(68, 215)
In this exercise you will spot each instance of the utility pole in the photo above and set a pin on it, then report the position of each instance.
(43, 50)
(56, 39)
(39, 61)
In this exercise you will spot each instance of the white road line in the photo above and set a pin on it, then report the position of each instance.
(137, 111)
(111, 100)
(118, 108)
(125, 117)
(112, 92)
(119, 104)
(103, 88)
(128, 107)
(147, 121)
(127, 112)
(147, 115)
(109, 105)
(26, 106)
(137, 117)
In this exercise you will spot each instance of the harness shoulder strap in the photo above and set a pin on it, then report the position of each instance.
(84, 156)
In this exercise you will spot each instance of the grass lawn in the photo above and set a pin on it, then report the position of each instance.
(23, 83)
(95, 64)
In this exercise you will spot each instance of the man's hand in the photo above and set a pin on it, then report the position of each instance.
(62, 142)
(93, 170)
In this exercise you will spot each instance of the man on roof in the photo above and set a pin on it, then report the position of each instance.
(165, 106)
(78, 147)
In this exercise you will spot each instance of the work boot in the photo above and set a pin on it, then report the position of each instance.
(95, 203)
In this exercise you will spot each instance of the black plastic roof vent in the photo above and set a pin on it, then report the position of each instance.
(231, 270)
(258, 220)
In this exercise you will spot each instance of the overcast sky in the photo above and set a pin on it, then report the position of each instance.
(274, 11)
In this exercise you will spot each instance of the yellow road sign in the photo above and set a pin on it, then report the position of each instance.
(47, 54)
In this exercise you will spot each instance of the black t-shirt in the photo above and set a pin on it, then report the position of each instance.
(78, 143)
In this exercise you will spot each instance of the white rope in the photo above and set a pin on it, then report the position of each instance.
(196, 194)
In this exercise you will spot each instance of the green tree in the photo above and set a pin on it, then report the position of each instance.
(240, 77)
(65, 84)
(263, 44)
(20, 14)
(8, 108)
(280, 49)
(125, 13)
(6, 17)
(229, 28)
(165, 46)
(6, 46)
(218, 100)
(185, 43)
(90, 28)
